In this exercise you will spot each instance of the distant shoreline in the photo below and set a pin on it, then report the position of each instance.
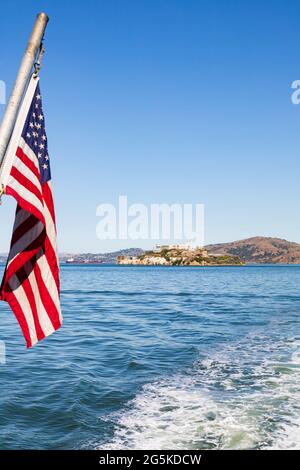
(251, 251)
(255, 250)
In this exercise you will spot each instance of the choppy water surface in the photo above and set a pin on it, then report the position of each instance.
(187, 358)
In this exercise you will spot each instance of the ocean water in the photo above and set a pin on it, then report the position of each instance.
(153, 357)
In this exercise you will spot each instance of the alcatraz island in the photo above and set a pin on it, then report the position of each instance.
(180, 255)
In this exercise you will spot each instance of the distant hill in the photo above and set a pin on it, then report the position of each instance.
(260, 250)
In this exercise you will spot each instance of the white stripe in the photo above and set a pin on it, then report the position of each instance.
(17, 132)
(44, 319)
(50, 227)
(25, 306)
(25, 171)
(25, 193)
(25, 240)
(49, 282)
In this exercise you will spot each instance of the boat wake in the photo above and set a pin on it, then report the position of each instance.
(246, 397)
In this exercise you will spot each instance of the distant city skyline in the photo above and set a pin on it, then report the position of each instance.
(165, 102)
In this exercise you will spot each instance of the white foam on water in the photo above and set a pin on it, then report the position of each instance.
(289, 437)
(220, 404)
(178, 416)
(288, 434)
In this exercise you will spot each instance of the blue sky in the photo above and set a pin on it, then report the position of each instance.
(166, 101)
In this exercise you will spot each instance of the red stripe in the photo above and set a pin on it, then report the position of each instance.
(52, 261)
(47, 299)
(24, 181)
(28, 162)
(48, 199)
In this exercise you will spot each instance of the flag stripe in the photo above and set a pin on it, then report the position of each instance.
(28, 162)
(32, 249)
(23, 228)
(52, 261)
(23, 169)
(23, 278)
(45, 316)
(47, 269)
(21, 216)
(47, 299)
(25, 181)
(48, 199)
(21, 195)
(28, 241)
(15, 300)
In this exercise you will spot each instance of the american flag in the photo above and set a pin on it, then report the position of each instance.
(30, 283)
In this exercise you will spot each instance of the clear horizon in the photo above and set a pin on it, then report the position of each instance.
(166, 102)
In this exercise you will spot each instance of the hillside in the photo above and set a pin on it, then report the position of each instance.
(260, 250)
(98, 258)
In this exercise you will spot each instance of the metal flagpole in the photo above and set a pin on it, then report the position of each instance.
(11, 112)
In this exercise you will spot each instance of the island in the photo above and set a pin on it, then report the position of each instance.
(180, 255)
